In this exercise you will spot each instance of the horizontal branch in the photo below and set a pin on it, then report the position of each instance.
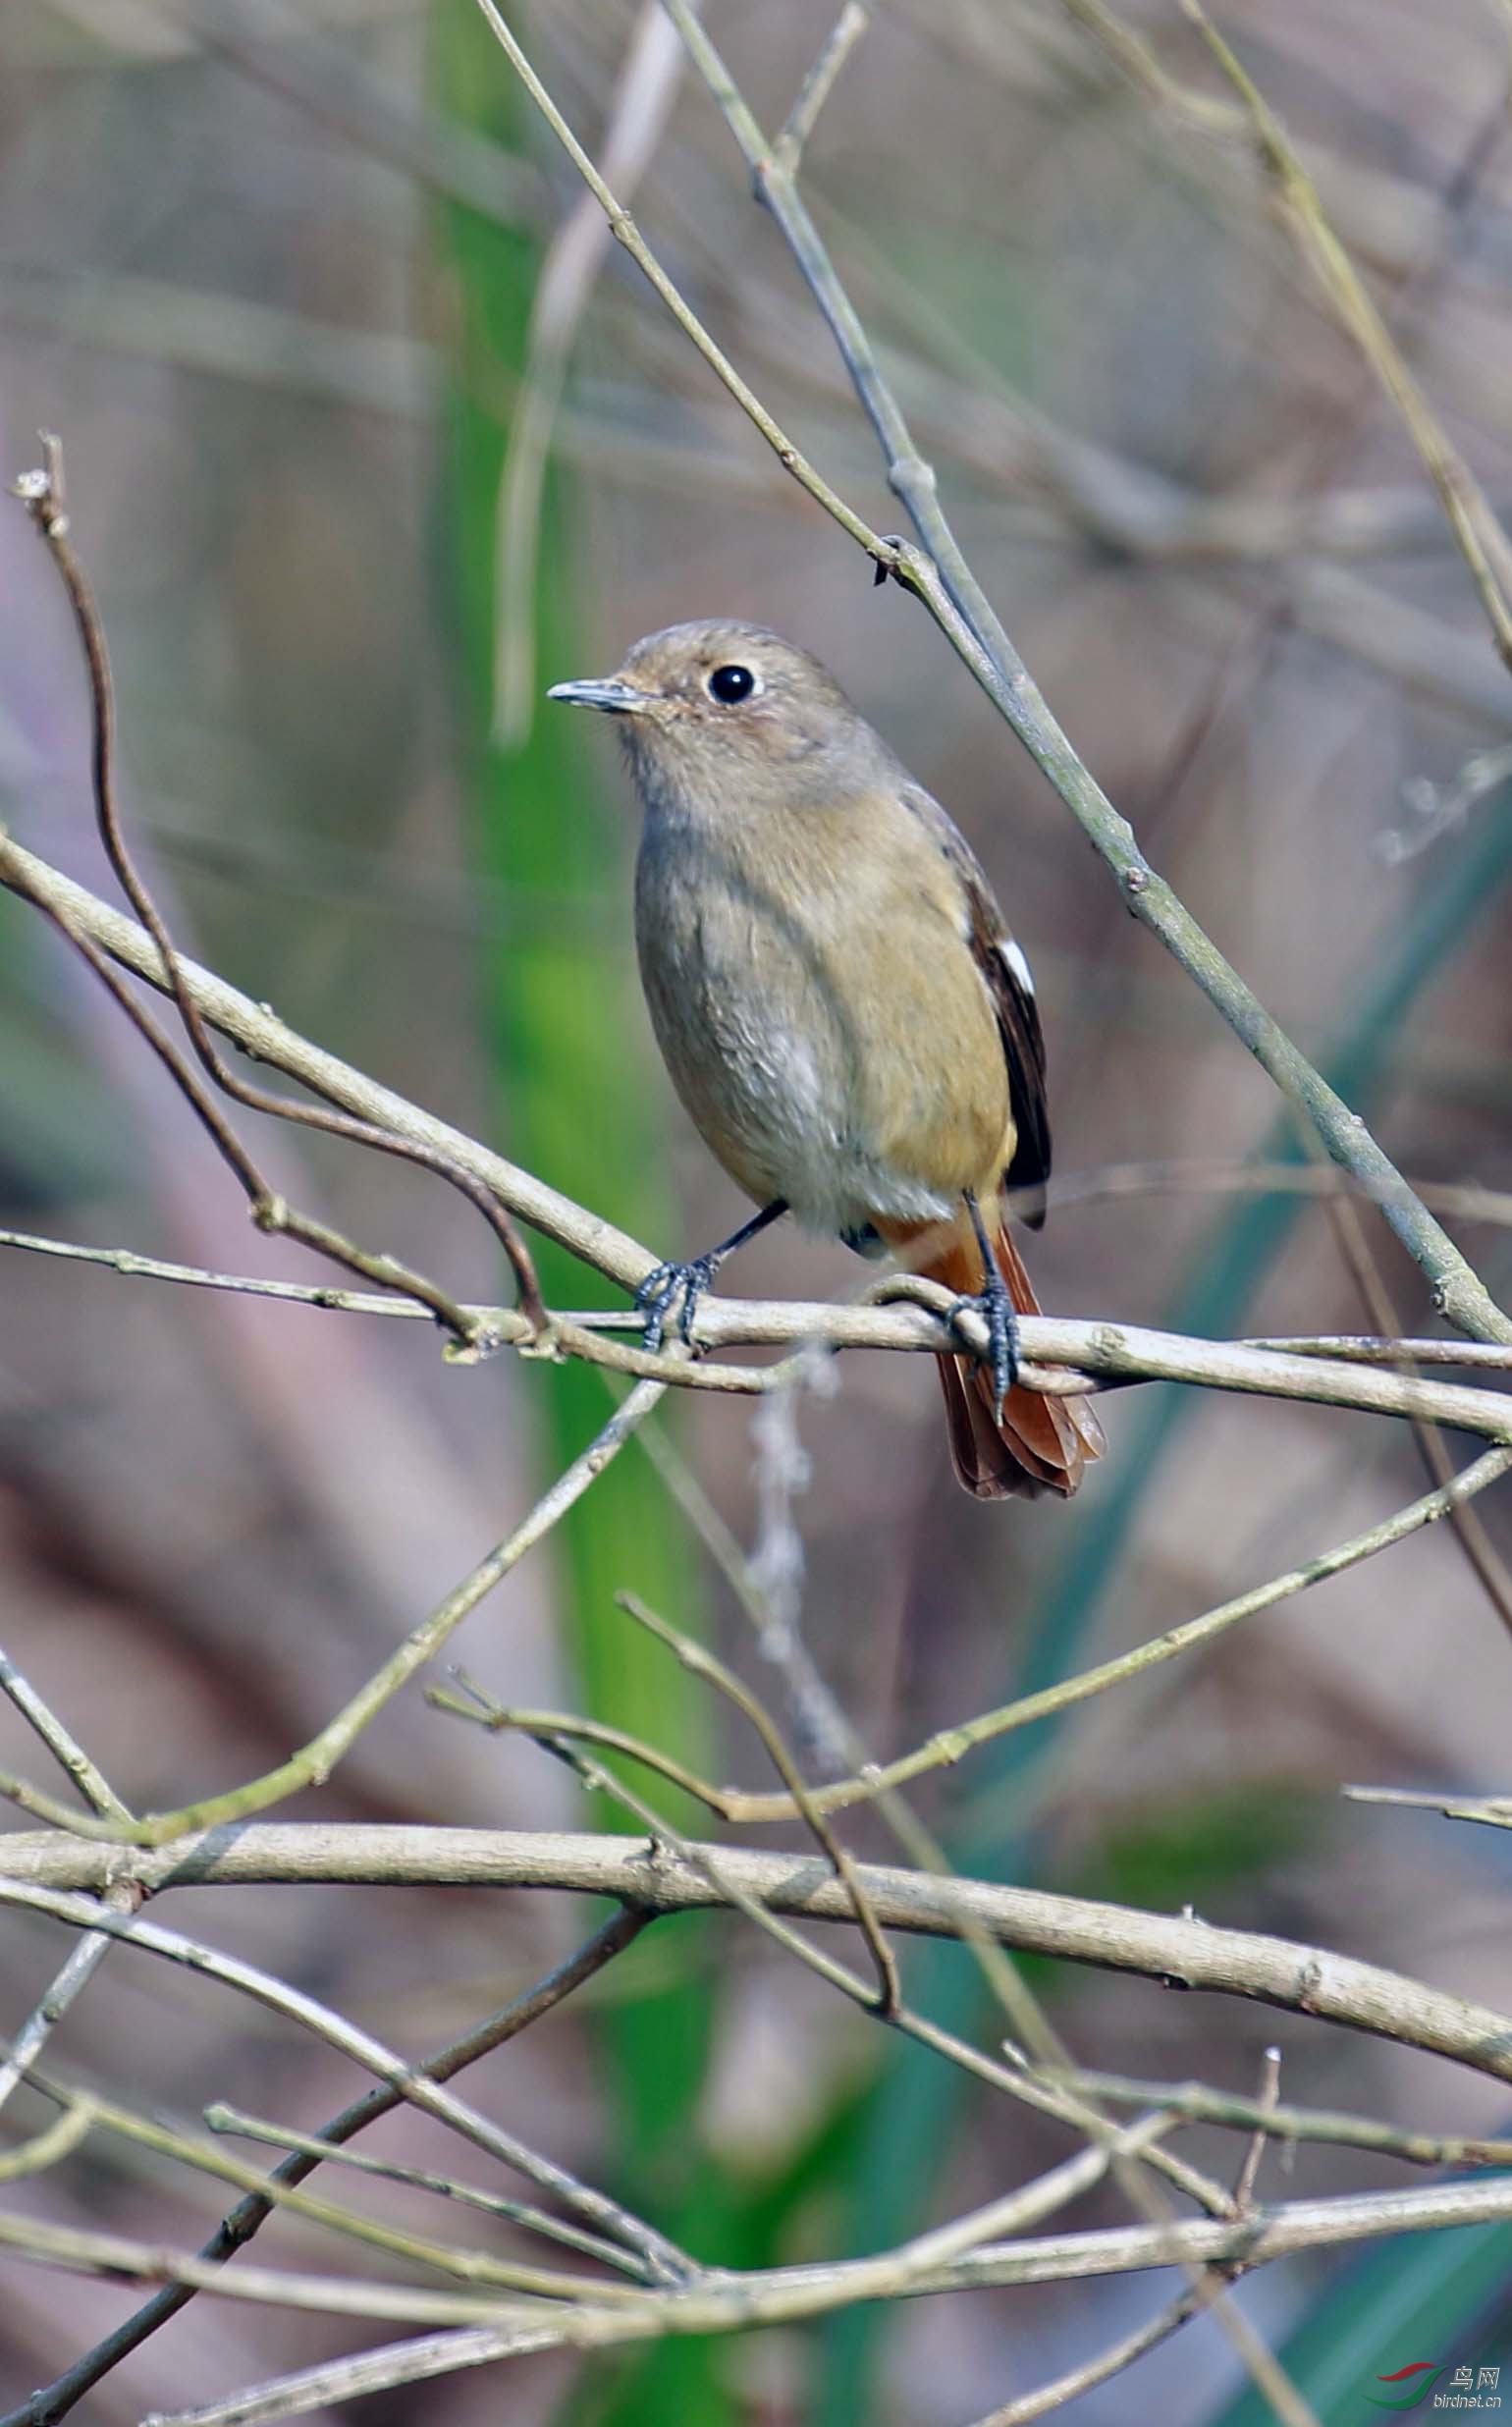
(1345, 1373)
(1493, 1811)
(784, 2294)
(1181, 1953)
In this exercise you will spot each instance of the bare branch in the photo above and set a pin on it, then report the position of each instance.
(701, 1662)
(1265, 2119)
(952, 1744)
(54, 2402)
(263, 1036)
(852, 22)
(1197, 1955)
(784, 2296)
(1493, 1811)
(1110, 2363)
(69, 1754)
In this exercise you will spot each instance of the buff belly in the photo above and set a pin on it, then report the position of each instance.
(853, 1115)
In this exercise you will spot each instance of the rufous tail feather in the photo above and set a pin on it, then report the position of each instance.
(1041, 1445)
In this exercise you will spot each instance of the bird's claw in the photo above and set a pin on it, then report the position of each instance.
(995, 1309)
(660, 1292)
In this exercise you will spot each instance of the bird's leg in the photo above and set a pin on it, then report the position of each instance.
(661, 1289)
(997, 1311)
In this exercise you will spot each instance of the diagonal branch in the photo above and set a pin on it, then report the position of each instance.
(314, 1764)
(1479, 536)
(661, 2260)
(944, 582)
(43, 493)
(262, 1035)
(949, 1746)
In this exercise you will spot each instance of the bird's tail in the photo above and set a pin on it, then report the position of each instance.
(1042, 1444)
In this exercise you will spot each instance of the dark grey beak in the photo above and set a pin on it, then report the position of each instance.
(620, 699)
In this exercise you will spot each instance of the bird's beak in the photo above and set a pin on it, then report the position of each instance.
(615, 698)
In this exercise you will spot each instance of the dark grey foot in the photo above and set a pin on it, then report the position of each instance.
(660, 1290)
(995, 1309)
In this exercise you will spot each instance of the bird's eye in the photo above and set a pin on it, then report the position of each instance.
(731, 684)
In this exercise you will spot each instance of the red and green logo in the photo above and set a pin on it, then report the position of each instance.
(1408, 2385)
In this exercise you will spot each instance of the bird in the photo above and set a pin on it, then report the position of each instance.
(842, 1007)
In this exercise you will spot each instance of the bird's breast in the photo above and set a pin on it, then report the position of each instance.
(822, 1020)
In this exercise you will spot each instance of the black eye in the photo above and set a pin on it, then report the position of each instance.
(730, 684)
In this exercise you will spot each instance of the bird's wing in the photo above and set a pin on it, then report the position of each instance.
(1006, 975)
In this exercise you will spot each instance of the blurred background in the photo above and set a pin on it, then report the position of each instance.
(269, 270)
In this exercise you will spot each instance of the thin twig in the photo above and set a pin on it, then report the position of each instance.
(65, 1749)
(852, 22)
(882, 552)
(266, 1039)
(1108, 2365)
(1493, 1811)
(272, 1213)
(467, 2266)
(1477, 534)
(221, 2118)
(1482, 1556)
(949, 1746)
(416, 2088)
(1265, 2119)
(74, 1977)
(123, 1895)
(700, 1662)
(1270, 2093)
(646, 92)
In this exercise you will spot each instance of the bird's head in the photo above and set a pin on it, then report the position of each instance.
(723, 707)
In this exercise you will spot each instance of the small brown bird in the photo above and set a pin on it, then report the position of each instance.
(840, 1004)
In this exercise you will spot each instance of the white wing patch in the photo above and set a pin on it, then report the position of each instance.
(1013, 960)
